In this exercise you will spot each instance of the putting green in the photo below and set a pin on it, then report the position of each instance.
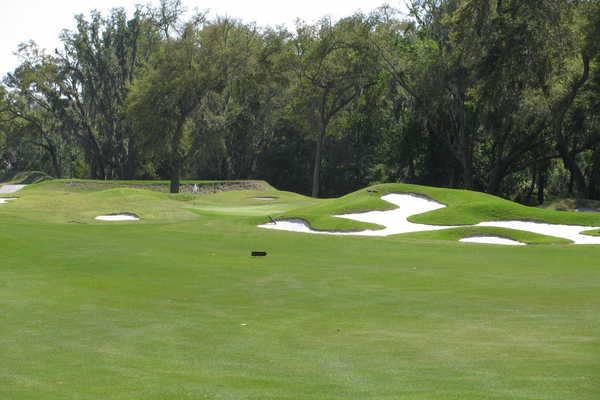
(174, 307)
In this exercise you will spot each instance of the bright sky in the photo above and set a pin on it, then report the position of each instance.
(43, 20)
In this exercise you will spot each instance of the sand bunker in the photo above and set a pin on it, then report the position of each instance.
(118, 217)
(395, 222)
(264, 198)
(4, 189)
(492, 240)
(570, 232)
(6, 199)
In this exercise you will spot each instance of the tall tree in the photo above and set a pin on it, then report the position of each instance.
(335, 63)
(163, 100)
(100, 62)
(36, 106)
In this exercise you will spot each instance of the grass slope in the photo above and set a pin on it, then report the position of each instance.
(179, 310)
(464, 207)
(59, 202)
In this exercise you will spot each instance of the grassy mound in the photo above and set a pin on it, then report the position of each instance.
(76, 201)
(62, 201)
(464, 207)
(320, 214)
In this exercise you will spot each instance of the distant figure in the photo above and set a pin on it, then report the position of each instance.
(195, 189)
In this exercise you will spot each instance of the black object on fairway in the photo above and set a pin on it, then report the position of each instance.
(259, 253)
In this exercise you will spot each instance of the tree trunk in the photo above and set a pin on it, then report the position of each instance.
(97, 167)
(559, 111)
(51, 148)
(534, 176)
(495, 179)
(467, 164)
(175, 177)
(176, 157)
(541, 186)
(131, 159)
(570, 164)
(55, 162)
(594, 181)
(571, 184)
(317, 167)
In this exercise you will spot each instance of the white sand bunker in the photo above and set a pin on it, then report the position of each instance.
(395, 222)
(118, 217)
(570, 232)
(11, 188)
(264, 198)
(492, 240)
(6, 199)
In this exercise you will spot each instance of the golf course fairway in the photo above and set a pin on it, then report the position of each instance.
(174, 307)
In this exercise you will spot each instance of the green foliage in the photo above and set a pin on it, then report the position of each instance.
(335, 63)
(495, 96)
(101, 59)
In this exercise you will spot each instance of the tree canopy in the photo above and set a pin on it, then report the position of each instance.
(498, 96)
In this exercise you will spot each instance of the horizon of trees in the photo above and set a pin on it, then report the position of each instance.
(501, 96)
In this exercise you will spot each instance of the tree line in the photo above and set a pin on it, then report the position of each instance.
(501, 96)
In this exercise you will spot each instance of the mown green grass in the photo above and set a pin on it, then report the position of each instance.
(155, 309)
(456, 234)
(593, 232)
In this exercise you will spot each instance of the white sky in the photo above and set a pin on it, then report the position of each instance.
(43, 20)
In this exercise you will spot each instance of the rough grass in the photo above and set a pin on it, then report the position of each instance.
(175, 308)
